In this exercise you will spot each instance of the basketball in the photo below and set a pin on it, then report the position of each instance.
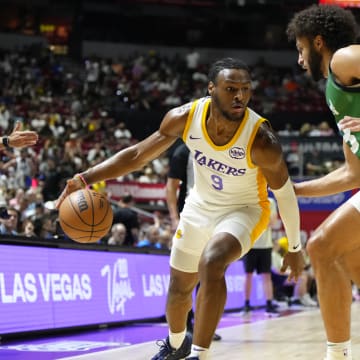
(85, 216)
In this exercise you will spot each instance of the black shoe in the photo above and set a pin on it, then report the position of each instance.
(247, 309)
(216, 337)
(193, 358)
(295, 302)
(167, 352)
(271, 311)
(275, 305)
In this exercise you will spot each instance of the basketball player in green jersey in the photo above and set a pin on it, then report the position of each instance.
(325, 40)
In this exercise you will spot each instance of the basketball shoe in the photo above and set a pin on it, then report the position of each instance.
(167, 352)
(247, 309)
(271, 311)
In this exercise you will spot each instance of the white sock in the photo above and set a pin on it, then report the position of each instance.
(199, 351)
(339, 351)
(176, 339)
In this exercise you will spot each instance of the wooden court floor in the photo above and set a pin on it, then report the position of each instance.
(298, 336)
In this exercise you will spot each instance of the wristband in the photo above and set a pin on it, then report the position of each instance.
(5, 141)
(82, 180)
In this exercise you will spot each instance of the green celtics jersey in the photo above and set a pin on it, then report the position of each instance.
(344, 101)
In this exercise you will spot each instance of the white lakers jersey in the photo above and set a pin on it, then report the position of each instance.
(224, 175)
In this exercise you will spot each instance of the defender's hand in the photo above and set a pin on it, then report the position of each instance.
(295, 261)
(349, 122)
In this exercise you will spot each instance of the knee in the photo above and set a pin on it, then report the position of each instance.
(178, 288)
(212, 265)
(318, 248)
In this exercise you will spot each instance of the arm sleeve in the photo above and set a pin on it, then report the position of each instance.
(290, 214)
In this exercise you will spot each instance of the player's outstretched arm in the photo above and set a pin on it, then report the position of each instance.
(124, 162)
(134, 157)
(19, 138)
(344, 178)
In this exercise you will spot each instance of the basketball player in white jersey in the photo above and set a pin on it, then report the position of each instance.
(236, 156)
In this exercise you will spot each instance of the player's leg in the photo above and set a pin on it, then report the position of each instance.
(187, 245)
(329, 248)
(264, 269)
(179, 299)
(249, 261)
(233, 236)
(222, 250)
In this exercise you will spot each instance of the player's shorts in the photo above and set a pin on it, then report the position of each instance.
(259, 260)
(198, 225)
(355, 200)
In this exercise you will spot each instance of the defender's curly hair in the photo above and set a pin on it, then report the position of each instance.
(336, 25)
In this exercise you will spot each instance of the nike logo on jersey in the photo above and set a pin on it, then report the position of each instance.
(194, 137)
(197, 349)
(295, 247)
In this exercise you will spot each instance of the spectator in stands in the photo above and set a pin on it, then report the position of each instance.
(123, 134)
(96, 154)
(9, 221)
(192, 60)
(118, 235)
(314, 163)
(48, 226)
(25, 168)
(152, 237)
(165, 239)
(28, 228)
(323, 129)
(149, 176)
(17, 201)
(125, 215)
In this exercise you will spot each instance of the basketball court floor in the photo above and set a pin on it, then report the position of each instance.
(296, 334)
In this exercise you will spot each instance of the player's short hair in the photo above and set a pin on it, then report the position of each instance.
(225, 63)
(336, 25)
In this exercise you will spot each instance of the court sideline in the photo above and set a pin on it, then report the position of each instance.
(297, 334)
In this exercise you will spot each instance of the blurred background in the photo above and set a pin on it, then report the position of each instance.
(93, 77)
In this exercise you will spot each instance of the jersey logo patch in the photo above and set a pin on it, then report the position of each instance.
(237, 152)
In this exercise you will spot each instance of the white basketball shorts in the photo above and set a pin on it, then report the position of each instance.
(198, 225)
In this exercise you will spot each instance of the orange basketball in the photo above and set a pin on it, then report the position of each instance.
(85, 216)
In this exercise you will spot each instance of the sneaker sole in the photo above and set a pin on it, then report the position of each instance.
(272, 314)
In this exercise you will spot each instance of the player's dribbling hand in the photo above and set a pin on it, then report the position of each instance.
(72, 185)
(295, 261)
